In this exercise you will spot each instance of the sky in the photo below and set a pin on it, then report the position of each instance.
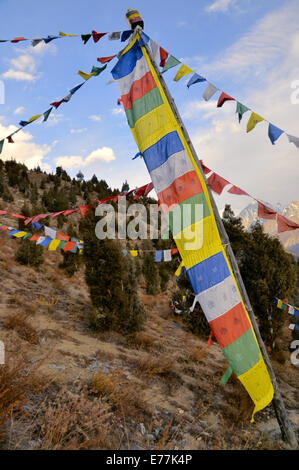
(248, 49)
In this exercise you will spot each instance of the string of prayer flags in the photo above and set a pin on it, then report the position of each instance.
(223, 98)
(196, 78)
(253, 121)
(217, 183)
(240, 110)
(105, 60)
(210, 90)
(183, 70)
(290, 309)
(274, 133)
(171, 62)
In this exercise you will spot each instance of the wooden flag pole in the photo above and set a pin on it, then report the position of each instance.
(287, 431)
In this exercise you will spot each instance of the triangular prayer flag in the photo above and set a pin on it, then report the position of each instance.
(23, 123)
(85, 76)
(67, 35)
(35, 42)
(205, 169)
(67, 97)
(294, 140)
(85, 37)
(37, 225)
(46, 114)
(274, 133)
(98, 70)
(85, 209)
(50, 38)
(223, 98)
(1, 145)
(240, 110)
(114, 36)
(217, 183)
(76, 88)
(104, 60)
(143, 191)
(97, 36)
(285, 224)
(163, 56)
(237, 191)
(56, 104)
(253, 121)
(195, 79)
(171, 62)
(10, 139)
(18, 39)
(210, 90)
(34, 118)
(183, 70)
(265, 212)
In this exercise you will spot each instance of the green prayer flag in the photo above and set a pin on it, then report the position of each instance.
(171, 62)
(241, 109)
(226, 375)
(61, 245)
(27, 235)
(1, 145)
(98, 70)
(47, 114)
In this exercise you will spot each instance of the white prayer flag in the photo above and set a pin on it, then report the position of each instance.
(167, 255)
(209, 91)
(49, 232)
(294, 140)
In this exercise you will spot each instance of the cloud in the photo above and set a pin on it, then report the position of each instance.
(95, 117)
(220, 5)
(23, 150)
(19, 110)
(78, 131)
(117, 111)
(103, 154)
(22, 68)
(18, 75)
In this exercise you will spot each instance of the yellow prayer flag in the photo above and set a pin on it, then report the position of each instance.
(20, 234)
(85, 76)
(67, 35)
(253, 120)
(33, 118)
(133, 252)
(179, 270)
(279, 303)
(54, 244)
(183, 70)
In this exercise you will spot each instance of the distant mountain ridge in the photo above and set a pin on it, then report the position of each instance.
(290, 240)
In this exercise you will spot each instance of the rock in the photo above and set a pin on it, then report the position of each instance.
(142, 428)
(150, 436)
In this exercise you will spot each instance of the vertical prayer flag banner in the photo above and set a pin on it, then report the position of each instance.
(178, 181)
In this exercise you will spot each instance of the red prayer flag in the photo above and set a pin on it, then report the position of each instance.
(174, 251)
(237, 191)
(3, 212)
(97, 36)
(56, 213)
(205, 169)
(62, 236)
(265, 212)
(217, 183)
(285, 224)
(10, 140)
(223, 98)
(104, 60)
(56, 104)
(17, 39)
(70, 211)
(163, 56)
(143, 191)
(3, 227)
(34, 237)
(85, 209)
(69, 246)
(26, 222)
(18, 216)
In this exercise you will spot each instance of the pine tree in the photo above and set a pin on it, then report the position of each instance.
(29, 254)
(151, 274)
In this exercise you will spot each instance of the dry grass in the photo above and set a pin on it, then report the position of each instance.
(151, 365)
(124, 396)
(18, 379)
(72, 421)
(142, 340)
(19, 321)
